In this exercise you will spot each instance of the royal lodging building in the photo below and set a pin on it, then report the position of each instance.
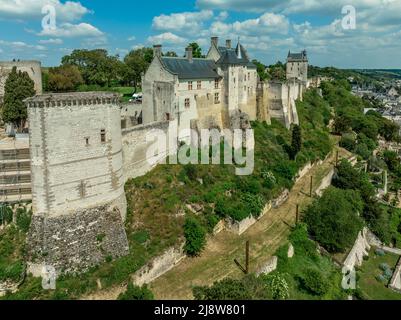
(200, 93)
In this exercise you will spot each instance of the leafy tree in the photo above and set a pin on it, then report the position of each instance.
(136, 293)
(296, 144)
(278, 71)
(18, 87)
(261, 69)
(347, 177)
(333, 220)
(137, 62)
(171, 54)
(96, 66)
(391, 159)
(64, 78)
(195, 236)
(196, 50)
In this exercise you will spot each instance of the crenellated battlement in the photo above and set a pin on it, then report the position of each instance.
(73, 99)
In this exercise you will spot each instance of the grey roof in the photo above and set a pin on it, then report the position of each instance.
(197, 69)
(230, 56)
(301, 56)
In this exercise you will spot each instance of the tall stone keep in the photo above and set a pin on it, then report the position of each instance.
(297, 66)
(79, 203)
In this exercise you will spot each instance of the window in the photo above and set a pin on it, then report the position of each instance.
(103, 136)
(87, 141)
(249, 76)
(187, 103)
(168, 118)
(199, 85)
(189, 85)
(216, 83)
(216, 98)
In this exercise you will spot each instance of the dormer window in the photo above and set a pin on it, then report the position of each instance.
(216, 83)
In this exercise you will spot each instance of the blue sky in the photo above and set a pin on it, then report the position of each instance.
(268, 28)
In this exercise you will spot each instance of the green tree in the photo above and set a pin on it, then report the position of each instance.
(136, 293)
(64, 78)
(18, 87)
(278, 286)
(261, 69)
(96, 66)
(296, 144)
(195, 236)
(171, 54)
(333, 220)
(137, 62)
(196, 50)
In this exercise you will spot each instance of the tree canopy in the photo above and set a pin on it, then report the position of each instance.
(18, 87)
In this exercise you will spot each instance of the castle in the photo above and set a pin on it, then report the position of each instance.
(81, 155)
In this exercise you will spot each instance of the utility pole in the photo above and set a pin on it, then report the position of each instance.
(247, 258)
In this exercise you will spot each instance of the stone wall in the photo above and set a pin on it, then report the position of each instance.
(326, 182)
(159, 265)
(268, 267)
(239, 227)
(395, 282)
(136, 160)
(74, 243)
(76, 152)
(360, 249)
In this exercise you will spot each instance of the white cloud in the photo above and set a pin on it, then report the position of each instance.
(18, 46)
(69, 30)
(32, 9)
(186, 22)
(166, 38)
(51, 41)
(132, 38)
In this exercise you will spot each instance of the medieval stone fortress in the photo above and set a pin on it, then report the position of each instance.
(80, 156)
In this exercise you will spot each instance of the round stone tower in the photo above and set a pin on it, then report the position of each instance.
(79, 203)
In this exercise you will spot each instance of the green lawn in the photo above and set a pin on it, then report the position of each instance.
(372, 288)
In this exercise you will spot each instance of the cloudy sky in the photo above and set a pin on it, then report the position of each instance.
(268, 28)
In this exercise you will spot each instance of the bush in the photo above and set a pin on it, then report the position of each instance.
(23, 219)
(384, 267)
(136, 293)
(333, 219)
(195, 236)
(278, 286)
(6, 214)
(380, 252)
(313, 280)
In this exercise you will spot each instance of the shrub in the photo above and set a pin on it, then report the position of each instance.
(6, 214)
(136, 293)
(254, 203)
(23, 219)
(384, 267)
(278, 286)
(315, 283)
(380, 252)
(195, 236)
(227, 289)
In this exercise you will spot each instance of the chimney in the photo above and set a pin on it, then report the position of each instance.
(228, 44)
(189, 53)
(215, 41)
(157, 50)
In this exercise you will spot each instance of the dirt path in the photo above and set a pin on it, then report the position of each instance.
(266, 236)
(216, 262)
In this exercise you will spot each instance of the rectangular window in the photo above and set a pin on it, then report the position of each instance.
(189, 85)
(216, 98)
(199, 85)
(187, 103)
(103, 136)
(249, 76)
(87, 141)
(168, 117)
(216, 83)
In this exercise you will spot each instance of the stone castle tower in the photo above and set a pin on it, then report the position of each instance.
(297, 66)
(79, 203)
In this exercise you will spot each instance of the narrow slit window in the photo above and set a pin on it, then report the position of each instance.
(103, 136)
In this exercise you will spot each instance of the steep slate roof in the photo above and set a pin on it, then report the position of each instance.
(230, 56)
(197, 69)
(301, 56)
